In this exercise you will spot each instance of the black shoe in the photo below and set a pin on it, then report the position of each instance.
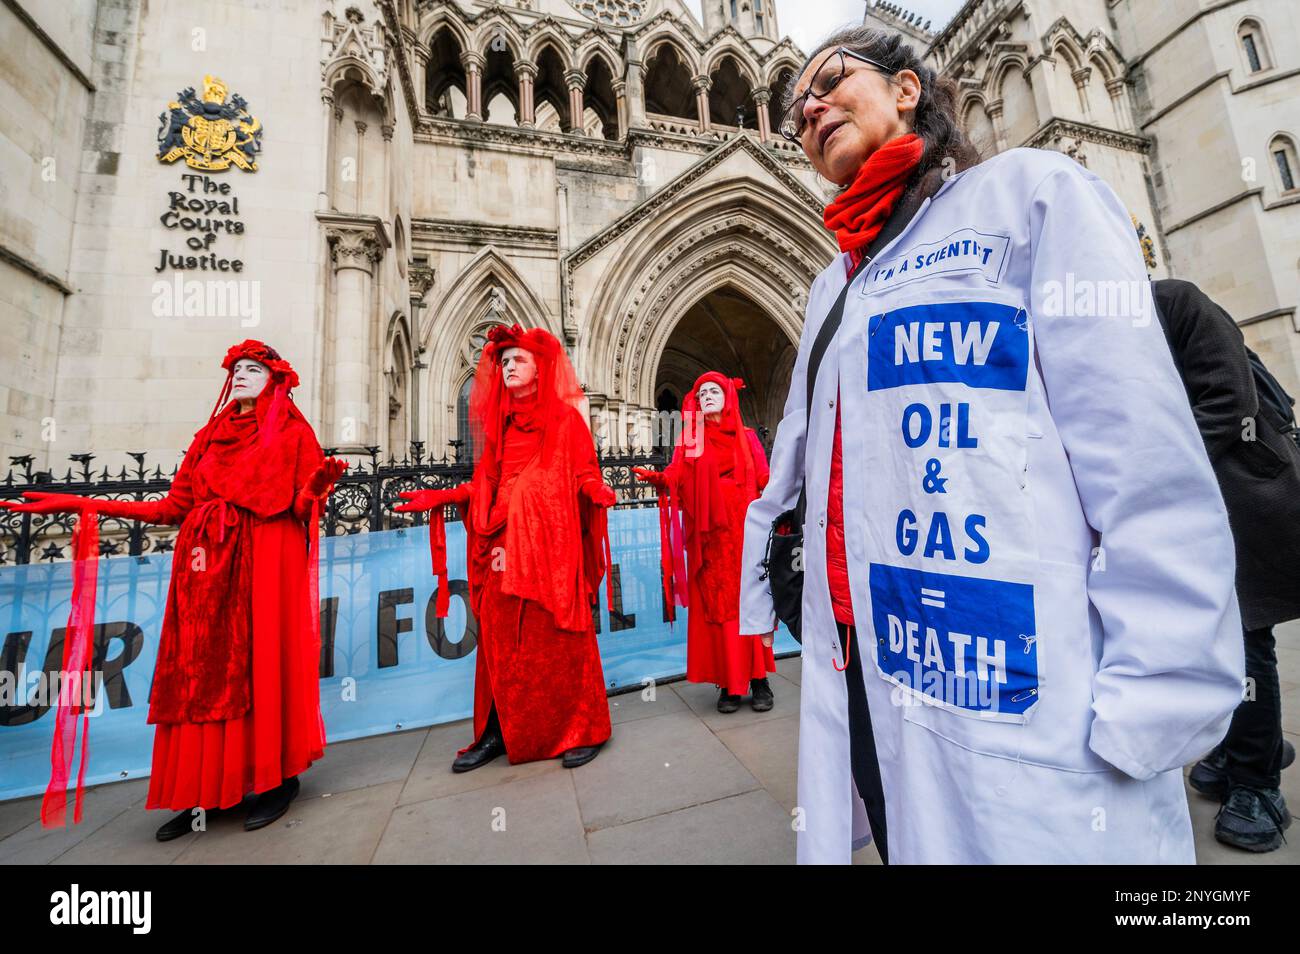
(272, 804)
(1252, 819)
(580, 756)
(182, 824)
(480, 753)
(727, 703)
(761, 698)
(1209, 776)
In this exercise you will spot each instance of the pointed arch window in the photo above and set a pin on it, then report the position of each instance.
(1283, 152)
(1254, 47)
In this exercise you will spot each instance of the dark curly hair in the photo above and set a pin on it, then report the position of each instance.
(935, 118)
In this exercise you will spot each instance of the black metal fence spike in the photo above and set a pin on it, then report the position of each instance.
(362, 500)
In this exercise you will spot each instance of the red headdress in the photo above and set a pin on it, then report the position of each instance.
(704, 445)
(273, 400)
(557, 384)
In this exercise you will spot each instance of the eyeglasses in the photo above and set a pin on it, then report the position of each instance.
(827, 77)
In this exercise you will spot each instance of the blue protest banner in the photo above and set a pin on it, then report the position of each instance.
(387, 661)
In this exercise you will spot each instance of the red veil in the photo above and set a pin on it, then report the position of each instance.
(698, 487)
(560, 549)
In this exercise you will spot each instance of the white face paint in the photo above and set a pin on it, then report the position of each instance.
(249, 379)
(711, 398)
(518, 370)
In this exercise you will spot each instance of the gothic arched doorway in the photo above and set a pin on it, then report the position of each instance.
(727, 331)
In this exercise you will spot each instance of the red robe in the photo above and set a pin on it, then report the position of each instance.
(535, 564)
(716, 652)
(236, 697)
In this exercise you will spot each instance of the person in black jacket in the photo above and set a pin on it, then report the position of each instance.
(1258, 466)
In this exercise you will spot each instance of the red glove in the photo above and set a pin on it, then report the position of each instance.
(651, 476)
(420, 501)
(41, 502)
(599, 493)
(325, 476)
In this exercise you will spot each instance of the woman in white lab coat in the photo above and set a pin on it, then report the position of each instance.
(1018, 611)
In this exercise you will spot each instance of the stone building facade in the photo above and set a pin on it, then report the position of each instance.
(1189, 108)
(400, 174)
(606, 169)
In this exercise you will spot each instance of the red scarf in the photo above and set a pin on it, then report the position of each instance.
(857, 214)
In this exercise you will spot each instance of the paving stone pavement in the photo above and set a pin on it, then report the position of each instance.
(677, 783)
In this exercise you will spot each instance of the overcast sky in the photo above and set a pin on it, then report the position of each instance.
(808, 21)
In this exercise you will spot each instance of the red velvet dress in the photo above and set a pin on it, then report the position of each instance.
(247, 719)
(531, 557)
(716, 652)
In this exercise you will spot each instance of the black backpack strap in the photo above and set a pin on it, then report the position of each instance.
(894, 225)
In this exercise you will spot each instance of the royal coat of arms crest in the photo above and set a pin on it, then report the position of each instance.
(210, 133)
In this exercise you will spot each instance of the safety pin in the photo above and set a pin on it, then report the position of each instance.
(1024, 694)
(1029, 641)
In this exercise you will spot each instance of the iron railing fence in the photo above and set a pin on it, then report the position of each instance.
(362, 500)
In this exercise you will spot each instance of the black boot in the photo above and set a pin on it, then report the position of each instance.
(727, 703)
(1209, 776)
(1252, 819)
(272, 804)
(182, 824)
(580, 756)
(761, 698)
(481, 752)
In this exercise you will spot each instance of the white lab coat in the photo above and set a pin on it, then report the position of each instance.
(1043, 554)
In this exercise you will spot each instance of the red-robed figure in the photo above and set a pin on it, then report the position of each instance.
(534, 516)
(235, 698)
(717, 469)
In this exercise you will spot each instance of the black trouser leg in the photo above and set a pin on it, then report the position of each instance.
(862, 747)
(1253, 745)
(493, 725)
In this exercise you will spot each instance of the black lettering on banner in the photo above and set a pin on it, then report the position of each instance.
(329, 621)
(110, 672)
(618, 620)
(435, 629)
(390, 626)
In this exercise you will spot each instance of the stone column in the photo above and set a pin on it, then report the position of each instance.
(620, 96)
(422, 55)
(994, 110)
(1040, 85)
(386, 130)
(527, 73)
(702, 86)
(576, 80)
(327, 173)
(419, 280)
(473, 62)
(361, 155)
(635, 86)
(1119, 101)
(354, 256)
(1081, 77)
(763, 96)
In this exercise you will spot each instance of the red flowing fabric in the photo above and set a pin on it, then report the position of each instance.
(856, 217)
(240, 499)
(538, 546)
(75, 676)
(243, 719)
(716, 471)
